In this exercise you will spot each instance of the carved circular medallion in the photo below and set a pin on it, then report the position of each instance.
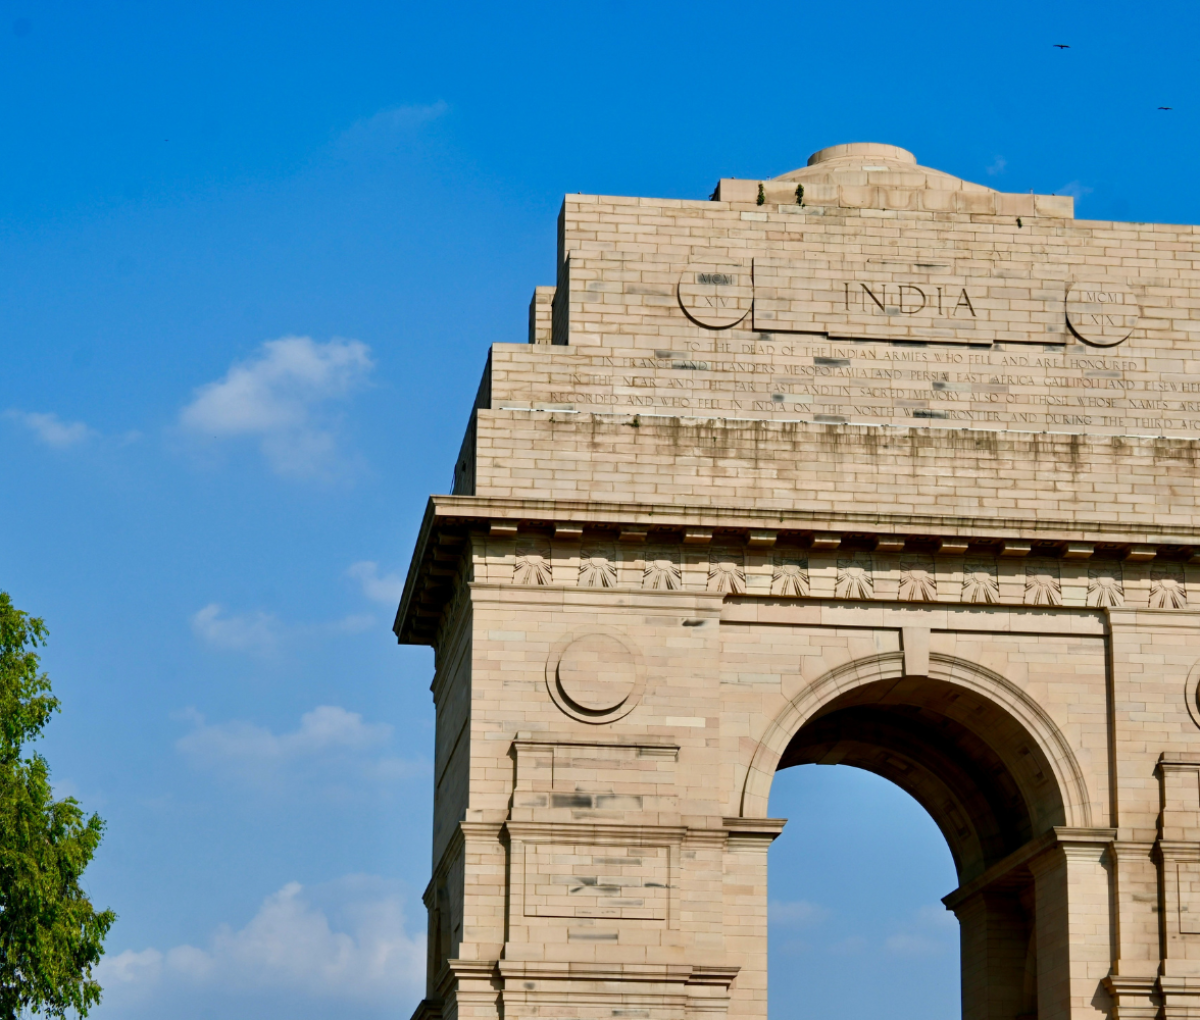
(596, 677)
(717, 295)
(1102, 314)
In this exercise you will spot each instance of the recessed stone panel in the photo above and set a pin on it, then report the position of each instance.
(573, 880)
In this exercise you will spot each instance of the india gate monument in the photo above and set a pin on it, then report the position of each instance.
(864, 465)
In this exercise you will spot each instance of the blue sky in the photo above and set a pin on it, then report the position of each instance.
(251, 259)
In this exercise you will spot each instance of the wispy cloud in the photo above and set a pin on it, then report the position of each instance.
(344, 942)
(50, 429)
(796, 912)
(935, 915)
(257, 632)
(263, 634)
(279, 398)
(997, 167)
(387, 588)
(325, 728)
(1075, 190)
(389, 128)
(932, 932)
(909, 943)
(354, 623)
(330, 743)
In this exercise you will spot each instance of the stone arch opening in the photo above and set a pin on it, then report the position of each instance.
(993, 772)
(983, 779)
(855, 927)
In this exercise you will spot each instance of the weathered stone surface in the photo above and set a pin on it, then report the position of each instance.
(902, 477)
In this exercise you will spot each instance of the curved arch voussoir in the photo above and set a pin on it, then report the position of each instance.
(982, 682)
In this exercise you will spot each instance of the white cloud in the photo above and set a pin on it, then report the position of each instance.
(997, 166)
(342, 942)
(1075, 190)
(330, 746)
(251, 632)
(130, 967)
(797, 912)
(388, 588)
(326, 728)
(50, 429)
(279, 398)
(263, 634)
(388, 127)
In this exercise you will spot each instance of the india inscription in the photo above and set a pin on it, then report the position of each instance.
(905, 478)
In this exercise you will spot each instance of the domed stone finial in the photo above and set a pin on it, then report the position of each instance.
(864, 150)
(871, 175)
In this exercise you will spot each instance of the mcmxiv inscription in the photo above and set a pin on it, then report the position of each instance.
(715, 296)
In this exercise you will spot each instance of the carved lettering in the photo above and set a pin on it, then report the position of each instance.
(871, 294)
(902, 299)
(914, 293)
(882, 382)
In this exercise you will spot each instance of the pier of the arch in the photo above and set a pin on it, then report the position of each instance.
(950, 737)
(863, 464)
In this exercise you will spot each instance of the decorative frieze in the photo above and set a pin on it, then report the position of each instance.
(790, 575)
(1168, 589)
(662, 571)
(533, 563)
(727, 570)
(980, 582)
(1106, 588)
(913, 571)
(918, 579)
(598, 566)
(1043, 583)
(855, 578)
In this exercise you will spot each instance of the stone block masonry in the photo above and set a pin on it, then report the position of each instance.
(861, 465)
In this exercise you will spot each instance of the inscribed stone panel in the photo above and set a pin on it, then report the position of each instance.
(926, 296)
(570, 880)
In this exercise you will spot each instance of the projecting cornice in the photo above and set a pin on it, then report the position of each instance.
(437, 563)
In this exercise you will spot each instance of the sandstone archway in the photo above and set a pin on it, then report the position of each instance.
(988, 765)
(840, 465)
(986, 762)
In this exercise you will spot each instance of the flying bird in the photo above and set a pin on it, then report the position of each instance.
(1166, 107)
(1061, 46)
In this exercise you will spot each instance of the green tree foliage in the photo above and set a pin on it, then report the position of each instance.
(50, 936)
